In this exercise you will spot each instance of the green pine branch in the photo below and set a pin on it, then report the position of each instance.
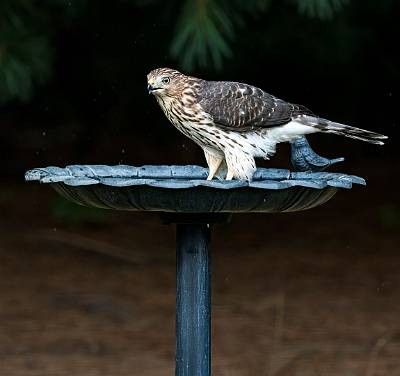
(322, 9)
(206, 28)
(26, 52)
(204, 33)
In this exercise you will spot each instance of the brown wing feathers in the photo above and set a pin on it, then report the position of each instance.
(243, 107)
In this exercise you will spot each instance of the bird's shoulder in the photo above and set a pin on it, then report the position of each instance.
(245, 107)
(230, 89)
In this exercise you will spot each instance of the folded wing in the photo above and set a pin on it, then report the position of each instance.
(243, 107)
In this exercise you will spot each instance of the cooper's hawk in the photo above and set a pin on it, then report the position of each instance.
(234, 123)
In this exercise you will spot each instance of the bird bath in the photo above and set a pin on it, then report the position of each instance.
(183, 196)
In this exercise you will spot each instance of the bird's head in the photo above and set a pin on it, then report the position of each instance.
(165, 82)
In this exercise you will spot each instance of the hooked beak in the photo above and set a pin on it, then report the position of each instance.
(152, 89)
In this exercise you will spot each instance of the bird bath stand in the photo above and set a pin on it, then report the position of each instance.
(183, 196)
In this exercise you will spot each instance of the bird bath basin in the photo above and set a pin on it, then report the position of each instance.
(182, 195)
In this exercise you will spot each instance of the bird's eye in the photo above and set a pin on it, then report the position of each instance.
(166, 80)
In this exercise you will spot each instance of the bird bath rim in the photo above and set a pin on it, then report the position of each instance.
(184, 189)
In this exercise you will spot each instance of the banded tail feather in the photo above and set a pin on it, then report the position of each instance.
(328, 126)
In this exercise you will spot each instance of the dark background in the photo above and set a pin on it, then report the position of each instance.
(89, 292)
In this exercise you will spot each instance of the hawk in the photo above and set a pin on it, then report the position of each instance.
(234, 122)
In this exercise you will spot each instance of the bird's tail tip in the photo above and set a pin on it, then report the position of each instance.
(352, 132)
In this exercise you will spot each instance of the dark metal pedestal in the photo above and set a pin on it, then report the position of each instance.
(193, 290)
(193, 300)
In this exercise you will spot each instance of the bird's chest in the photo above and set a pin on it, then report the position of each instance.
(187, 119)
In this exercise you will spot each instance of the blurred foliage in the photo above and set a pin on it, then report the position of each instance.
(321, 9)
(202, 31)
(206, 28)
(203, 35)
(26, 50)
(6, 194)
(390, 216)
(77, 215)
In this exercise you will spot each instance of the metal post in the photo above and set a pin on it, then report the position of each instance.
(193, 300)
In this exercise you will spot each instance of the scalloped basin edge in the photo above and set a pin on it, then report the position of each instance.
(184, 189)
